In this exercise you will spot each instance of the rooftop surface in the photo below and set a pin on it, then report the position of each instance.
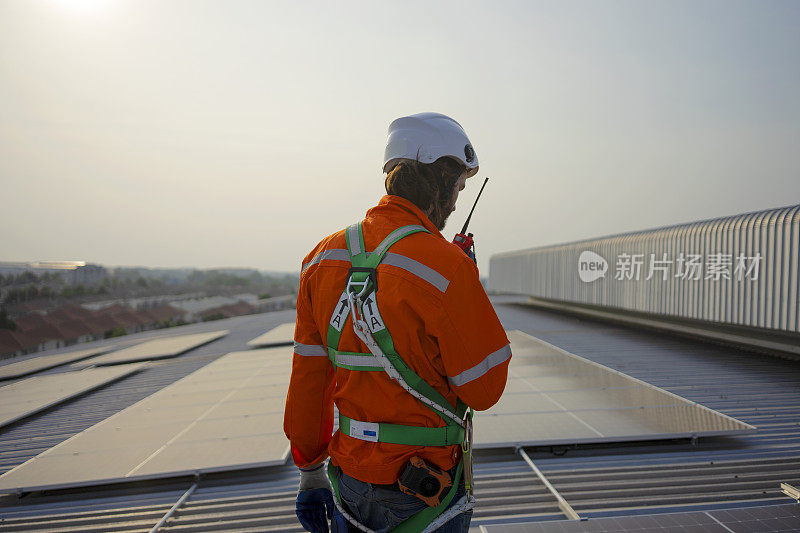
(608, 480)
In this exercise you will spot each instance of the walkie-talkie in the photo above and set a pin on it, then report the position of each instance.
(464, 240)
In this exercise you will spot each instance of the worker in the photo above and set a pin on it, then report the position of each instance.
(395, 329)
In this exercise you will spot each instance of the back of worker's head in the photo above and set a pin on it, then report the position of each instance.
(425, 155)
(430, 187)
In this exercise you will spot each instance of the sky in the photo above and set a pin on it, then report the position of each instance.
(238, 134)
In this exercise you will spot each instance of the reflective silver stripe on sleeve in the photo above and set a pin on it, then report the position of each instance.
(418, 269)
(335, 254)
(352, 236)
(388, 240)
(310, 350)
(488, 363)
(358, 360)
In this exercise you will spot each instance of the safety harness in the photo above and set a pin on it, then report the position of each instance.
(359, 303)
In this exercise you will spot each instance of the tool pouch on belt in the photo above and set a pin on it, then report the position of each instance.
(424, 481)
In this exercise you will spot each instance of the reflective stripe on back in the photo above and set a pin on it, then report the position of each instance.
(411, 266)
(366, 360)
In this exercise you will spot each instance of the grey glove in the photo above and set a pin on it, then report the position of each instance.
(314, 505)
(314, 478)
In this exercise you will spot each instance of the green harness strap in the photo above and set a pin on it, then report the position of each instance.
(363, 276)
(413, 435)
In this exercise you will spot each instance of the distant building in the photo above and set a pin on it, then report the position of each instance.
(196, 308)
(72, 324)
(227, 311)
(276, 303)
(73, 272)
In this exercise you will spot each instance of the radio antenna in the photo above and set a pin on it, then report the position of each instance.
(464, 229)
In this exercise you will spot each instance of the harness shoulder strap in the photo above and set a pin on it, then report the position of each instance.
(362, 272)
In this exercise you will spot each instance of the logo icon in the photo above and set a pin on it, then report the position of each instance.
(469, 153)
(591, 266)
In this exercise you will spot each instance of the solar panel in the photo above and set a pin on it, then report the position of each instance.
(764, 519)
(29, 396)
(227, 415)
(282, 335)
(43, 362)
(160, 348)
(555, 397)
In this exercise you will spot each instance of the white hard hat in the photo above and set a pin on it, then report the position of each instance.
(425, 137)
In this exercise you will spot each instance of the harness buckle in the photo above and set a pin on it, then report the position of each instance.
(366, 288)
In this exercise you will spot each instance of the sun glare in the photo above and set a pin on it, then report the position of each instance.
(81, 6)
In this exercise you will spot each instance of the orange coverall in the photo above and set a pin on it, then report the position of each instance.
(442, 325)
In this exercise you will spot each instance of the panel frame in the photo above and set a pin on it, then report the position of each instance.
(265, 339)
(60, 359)
(133, 368)
(108, 358)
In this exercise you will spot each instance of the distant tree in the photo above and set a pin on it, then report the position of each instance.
(52, 277)
(27, 277)
(12, 296)
(171, 323)
(31, 292)
(116, 332)
(5, 320)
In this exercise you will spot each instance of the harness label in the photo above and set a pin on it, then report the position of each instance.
(372, 316)
(364, 430)
(340, 313)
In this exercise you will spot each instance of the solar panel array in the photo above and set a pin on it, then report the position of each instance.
(227, 415)
(160, 348)
(281, 335)
(43, 362)
(766, 519)
(29, 396)
(555, 397)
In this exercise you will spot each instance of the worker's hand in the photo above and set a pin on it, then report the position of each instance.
(314, 505)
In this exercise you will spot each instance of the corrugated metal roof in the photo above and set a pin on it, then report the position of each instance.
(598, 480)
